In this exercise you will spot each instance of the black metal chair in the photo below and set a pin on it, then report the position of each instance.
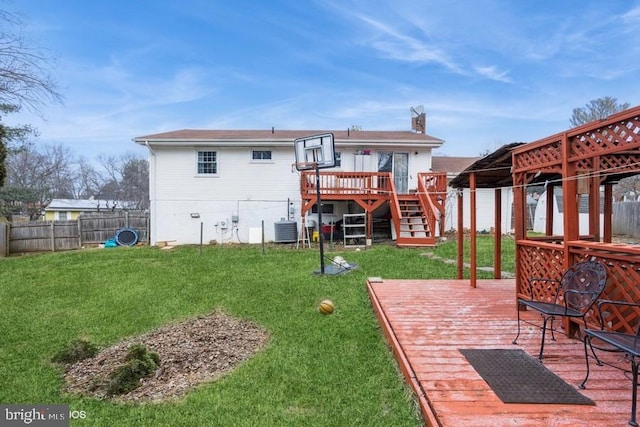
(625, 342)
(571, 297)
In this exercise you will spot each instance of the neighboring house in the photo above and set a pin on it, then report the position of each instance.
(234, 185)
(69, 209)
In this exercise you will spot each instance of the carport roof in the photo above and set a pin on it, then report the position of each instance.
(492, 171)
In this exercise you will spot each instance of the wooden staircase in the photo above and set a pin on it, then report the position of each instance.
(413, 227)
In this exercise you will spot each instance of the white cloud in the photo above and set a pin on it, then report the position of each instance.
(632, 16)
(406, 48)
(491, 72)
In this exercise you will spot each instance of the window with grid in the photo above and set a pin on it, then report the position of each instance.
(261, 154)
(207, 162)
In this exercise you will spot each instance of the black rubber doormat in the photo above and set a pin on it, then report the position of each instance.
(517, 377)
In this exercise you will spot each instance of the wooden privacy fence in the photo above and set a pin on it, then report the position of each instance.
(626, 218)
(88, 229)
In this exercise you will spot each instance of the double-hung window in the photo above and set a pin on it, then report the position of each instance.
(260, 155)
(207, 162)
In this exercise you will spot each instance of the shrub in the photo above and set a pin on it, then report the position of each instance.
(75, 351)
(140, 364)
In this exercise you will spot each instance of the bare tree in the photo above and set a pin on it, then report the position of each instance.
(597, 109)
(3, 156)
(43, 173)
(24, 82)
(628, 189)
(135, 182)
(88, 181)
(24, 77)
(126, 179)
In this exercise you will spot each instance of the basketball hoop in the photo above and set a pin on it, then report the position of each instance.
(318, 150)
(314, 153)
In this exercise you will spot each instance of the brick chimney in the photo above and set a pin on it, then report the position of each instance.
(418, 119)
(419, 123)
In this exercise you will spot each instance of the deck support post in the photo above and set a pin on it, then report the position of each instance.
(473, 273)
(497, 234)
(460, 253)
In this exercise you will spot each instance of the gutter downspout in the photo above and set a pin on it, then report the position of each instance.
(152, 195)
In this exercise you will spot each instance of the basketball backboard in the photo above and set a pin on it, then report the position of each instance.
(315, 151)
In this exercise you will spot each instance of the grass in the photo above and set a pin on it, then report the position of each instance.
(316, 370)
(484, 247)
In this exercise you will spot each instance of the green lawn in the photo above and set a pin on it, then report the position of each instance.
(484, 244)
(316, 370)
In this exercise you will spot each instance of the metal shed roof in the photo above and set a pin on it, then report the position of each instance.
(492, 171)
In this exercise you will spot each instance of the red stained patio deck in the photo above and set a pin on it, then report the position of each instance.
(427, 321)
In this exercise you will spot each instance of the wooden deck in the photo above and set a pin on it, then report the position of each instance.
(426, 323)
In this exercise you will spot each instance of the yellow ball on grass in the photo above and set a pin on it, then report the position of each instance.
(326, 307)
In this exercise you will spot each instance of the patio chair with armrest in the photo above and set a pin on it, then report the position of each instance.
(571, 297)
(627, 342)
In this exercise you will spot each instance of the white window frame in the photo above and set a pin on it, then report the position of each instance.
(205, 163)
(260, 159)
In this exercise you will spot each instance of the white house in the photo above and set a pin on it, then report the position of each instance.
(236, 185)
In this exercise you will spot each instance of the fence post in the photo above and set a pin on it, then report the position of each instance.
(79, 221)
(4, 239)
(53, 237)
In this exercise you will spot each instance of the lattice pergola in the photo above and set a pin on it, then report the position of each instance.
(583, 162)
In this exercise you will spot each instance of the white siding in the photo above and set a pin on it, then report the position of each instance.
(185, 204)
(485, 209)
(418, 162)
(251, 191)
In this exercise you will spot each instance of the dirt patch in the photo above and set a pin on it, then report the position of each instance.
(191, 353)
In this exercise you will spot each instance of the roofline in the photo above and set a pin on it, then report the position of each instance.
(284, 143)
(287, 138)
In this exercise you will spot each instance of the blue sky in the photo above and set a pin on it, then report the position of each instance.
(488, 72)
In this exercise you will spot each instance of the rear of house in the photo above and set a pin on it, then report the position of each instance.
(235, 186)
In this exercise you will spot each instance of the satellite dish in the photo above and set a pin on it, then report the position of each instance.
(417, 111)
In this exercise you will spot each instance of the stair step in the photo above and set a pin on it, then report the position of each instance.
(414, 230)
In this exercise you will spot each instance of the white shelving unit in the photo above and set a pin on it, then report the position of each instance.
(354, 229)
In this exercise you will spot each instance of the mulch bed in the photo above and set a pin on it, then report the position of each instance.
(191, 353)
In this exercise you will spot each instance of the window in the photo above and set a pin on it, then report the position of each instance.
(261, 155)
(62, 216)
(327, 208)
(338, 157)
(207, 162)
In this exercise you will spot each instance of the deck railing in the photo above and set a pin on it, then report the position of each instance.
(432, 192)
(366, 186)
(394, 205)
(622, 261)
(346, 183)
